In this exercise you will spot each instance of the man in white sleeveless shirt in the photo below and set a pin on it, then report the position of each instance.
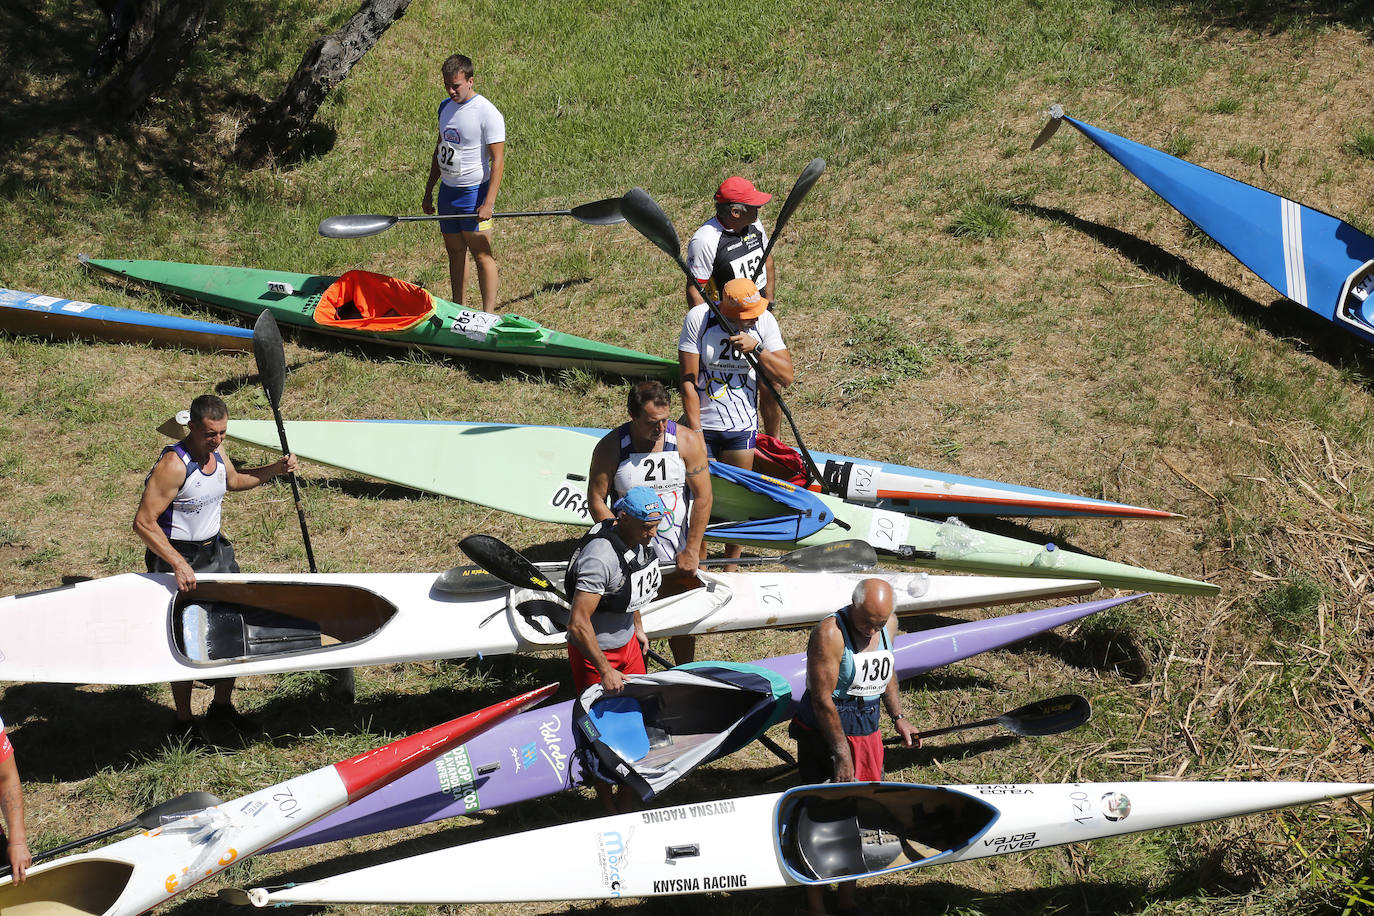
(178, 519)
(652, 451)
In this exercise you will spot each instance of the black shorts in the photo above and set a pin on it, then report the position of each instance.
(214, 555)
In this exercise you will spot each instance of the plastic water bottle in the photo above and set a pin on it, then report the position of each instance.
(918, 585)
(1048, 558)
(955, 540)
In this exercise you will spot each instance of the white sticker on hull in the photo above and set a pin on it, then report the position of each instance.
(570, 498)
(888, 530)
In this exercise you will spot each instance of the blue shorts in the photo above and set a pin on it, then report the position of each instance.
(461, 200)
(724, 440)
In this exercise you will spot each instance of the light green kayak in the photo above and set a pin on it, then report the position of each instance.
(378, 309)
(540, 472)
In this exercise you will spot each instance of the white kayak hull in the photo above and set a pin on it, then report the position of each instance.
(137, 629)
(803, 836)
(134, 875)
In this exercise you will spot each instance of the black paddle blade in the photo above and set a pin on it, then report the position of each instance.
(809, 176)
(267, 352)
(182, 804)
(599, 212)
(649, 220)
(1047, 717)
(505, 562)
(838, 556)
(468, 580)
(1056, 118)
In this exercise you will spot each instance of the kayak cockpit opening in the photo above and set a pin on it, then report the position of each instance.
(222, 622)
(85, 886)
(664, 724)
(834, 832)
(363, 301)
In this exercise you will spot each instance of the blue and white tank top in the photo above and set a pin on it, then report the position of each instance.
(665, 473)
(194, 513)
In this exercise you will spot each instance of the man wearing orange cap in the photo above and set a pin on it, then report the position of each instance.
(719, 385)
(731, 245)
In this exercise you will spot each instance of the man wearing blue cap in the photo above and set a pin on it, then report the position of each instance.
(612, 575)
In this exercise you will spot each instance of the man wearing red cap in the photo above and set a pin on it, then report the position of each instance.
(730, 245)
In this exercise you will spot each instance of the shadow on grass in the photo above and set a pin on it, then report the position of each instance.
(1282, 319)
(1274, 16)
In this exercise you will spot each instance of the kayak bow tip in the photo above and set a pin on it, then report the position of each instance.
(1056, 115)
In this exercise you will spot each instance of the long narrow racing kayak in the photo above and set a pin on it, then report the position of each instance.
(137, 628)
(135, 875)
(1313, 258)
(808, 835)
(540, 472)
(541, 752)
(47, 316)
(366, 306)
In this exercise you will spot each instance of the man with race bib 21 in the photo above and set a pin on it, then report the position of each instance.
(670, 459)
(470, 157)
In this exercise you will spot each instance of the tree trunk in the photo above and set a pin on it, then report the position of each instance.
(160, 35)
(280, 127)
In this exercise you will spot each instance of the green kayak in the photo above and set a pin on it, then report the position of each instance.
(362, 305)
(540, 472)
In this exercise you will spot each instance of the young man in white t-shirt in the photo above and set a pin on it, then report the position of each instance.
(470, 158)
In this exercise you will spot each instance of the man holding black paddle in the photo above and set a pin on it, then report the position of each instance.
(178, 520)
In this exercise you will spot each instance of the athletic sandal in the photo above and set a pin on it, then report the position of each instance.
(225, 712)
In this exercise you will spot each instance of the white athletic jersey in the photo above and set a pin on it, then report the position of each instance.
(727, 387)
(465, 130)
(194, 512)
(716, 256)
(663, 472)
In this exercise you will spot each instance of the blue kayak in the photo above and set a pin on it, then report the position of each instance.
(34, 315)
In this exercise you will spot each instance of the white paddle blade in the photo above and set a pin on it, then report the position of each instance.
(355, 226)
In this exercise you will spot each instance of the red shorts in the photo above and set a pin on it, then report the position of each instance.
(813, 755)
(628, 659)
(6, 749)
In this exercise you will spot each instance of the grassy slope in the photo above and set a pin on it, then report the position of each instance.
(952, 300)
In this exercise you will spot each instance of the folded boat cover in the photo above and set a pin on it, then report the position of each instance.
(666, 724)
(810, 513)
(364, 301)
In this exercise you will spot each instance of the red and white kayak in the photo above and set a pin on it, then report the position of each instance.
(808, 835)
(135, 875)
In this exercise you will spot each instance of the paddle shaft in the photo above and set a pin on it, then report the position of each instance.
(757, 366)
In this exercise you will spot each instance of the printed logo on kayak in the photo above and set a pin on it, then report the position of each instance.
(613, 853)
(551, 733)
(1012, 842)
(704, 809)
(457, 778)
(253, 807)
(1116, 806)
(703, 883)
(524, 757)
(1004, 789)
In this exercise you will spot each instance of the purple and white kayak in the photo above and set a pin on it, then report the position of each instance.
(533, 754)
